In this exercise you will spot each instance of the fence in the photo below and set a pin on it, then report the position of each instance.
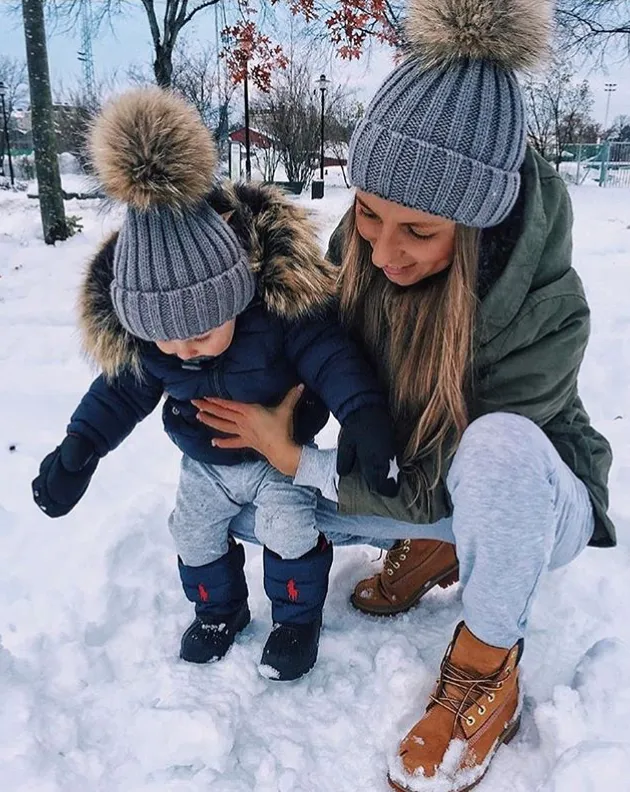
(604, 164)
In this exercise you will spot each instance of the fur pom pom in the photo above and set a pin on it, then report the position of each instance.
(515, 34)
(150, 147)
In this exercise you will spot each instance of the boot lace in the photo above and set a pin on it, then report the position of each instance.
(396, 556)
(465, 690)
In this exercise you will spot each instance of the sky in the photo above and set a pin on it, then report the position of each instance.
(129, 44)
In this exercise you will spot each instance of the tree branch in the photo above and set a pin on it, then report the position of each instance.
(153, 23)
(198, 8)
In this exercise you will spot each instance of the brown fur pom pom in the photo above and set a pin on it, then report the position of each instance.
(515, 34)
(150, 147)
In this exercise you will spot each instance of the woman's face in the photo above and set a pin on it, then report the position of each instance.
(407, 244)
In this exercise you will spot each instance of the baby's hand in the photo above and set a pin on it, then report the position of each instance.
(64, 476)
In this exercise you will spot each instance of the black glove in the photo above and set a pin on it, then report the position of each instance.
(64, 476)
(309, 417)
(367, 435)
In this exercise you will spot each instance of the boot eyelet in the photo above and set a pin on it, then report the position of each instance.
(481, 710)
(390, 572)
(396, 565)
(499, 685)
(470, 721)
(403, 557)
(491, 697)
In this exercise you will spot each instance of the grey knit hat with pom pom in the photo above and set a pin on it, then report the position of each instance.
(446, 132)
(179, 270)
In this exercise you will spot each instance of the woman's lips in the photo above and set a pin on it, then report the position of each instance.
(394, 272)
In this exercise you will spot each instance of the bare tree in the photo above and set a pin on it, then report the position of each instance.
(166, 20)
(73, 118)
(289, 115)
(267, 157)
(197, 76)
(559, 110)
(620, 130)
(594, 27)
(343, 114)
(540, 117)
(15, 78)
(50, 193)
(13, 75)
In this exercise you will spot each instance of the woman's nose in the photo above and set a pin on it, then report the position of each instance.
(383, 250)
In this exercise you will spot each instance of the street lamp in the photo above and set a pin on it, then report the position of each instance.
(317, 189)
(609, 88)
(322, 84)
(3, 91)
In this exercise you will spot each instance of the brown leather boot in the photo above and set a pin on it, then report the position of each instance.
(412, 567)
(474, 709)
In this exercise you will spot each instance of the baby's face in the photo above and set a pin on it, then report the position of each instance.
(210, 344)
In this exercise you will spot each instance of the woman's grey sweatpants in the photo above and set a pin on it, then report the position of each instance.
(517, 511)
(209, 496)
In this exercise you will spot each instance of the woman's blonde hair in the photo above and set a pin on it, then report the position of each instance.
(420, 339)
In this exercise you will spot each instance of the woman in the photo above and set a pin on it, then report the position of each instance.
(456, 277)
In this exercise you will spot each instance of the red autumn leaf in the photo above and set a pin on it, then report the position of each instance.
(350, 25)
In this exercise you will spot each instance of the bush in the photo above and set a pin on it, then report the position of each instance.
(27, 168)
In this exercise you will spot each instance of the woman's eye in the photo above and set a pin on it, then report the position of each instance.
(366, 213)
(419, 234)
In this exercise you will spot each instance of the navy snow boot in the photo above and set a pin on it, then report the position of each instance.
(297, 589)
(219, 591)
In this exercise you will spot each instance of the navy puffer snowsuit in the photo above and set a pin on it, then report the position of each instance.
(288, 334)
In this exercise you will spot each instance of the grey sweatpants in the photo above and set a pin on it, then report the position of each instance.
(517, 511)
(210, 496)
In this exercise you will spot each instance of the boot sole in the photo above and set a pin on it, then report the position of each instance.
(277, 677)
(445, 580)
(241, 625)
(508, 735)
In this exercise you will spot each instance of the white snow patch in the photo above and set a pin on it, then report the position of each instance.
(214, 627)
(268, 672)
(93, 695)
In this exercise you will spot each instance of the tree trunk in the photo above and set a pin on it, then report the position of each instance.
(46, 163)
(163, 67)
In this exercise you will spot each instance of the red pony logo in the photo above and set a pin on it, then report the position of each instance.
(292, 591)
(203, 592)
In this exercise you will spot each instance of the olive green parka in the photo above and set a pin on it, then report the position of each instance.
(532, 330)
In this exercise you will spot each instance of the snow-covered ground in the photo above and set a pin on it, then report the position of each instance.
(93, 697)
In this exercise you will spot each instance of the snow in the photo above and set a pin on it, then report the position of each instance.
(93, 695)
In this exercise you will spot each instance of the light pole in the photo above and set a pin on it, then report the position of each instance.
(3, 91)
(248, 144)
(322, 84)
(317, 190)
(609, 88)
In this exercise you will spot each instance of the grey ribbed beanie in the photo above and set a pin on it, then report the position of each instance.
(446, 131)
(179, 269)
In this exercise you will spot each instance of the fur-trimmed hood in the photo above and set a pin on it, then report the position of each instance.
(293, 279)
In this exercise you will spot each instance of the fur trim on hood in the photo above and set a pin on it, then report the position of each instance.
(293, 279)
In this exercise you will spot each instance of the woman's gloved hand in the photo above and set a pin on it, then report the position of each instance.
(367, 436)
(64, 476)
